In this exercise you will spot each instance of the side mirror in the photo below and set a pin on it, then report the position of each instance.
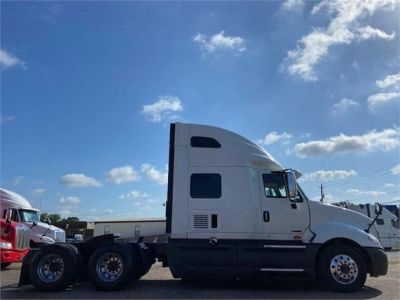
(47, 221)
(9, 215)
(378, 208)
(291, 185)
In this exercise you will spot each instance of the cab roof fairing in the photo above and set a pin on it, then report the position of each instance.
(236, 149)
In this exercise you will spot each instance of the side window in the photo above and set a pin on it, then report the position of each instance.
(205, 186)
(14, 216)
(274, 186)
(380, 221)
(204, 142)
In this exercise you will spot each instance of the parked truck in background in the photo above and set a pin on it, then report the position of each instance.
(387, 224)
(22, 212)
(14, 241)
(231, 211)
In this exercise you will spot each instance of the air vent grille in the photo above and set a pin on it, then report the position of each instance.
(200, 221)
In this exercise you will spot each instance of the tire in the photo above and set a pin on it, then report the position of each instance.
(341, 268)
(80, 262)
(54, 268)
(5, 265)
(112, 265)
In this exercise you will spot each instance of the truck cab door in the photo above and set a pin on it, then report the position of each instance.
(282, 218)
(280, 247)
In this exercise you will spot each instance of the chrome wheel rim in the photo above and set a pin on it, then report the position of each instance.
(109, 266)
(50, 268)
(344, 269)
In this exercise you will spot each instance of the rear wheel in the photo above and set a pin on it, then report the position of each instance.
(54, 268)
(112, 265)
(342, 268)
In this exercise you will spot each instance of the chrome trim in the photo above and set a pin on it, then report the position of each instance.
(285, 246)
(22, 237)
(281, 270)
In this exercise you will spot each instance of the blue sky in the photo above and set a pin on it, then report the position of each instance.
(88, 90)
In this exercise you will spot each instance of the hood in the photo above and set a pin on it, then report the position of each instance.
(324, 213)
(43, 227)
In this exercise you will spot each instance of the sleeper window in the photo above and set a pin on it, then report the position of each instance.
(205, 186)
(274, 186)
(204, 142)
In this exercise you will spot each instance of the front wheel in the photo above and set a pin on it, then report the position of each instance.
(342, 268)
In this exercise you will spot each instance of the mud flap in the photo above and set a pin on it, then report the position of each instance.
(26, 263)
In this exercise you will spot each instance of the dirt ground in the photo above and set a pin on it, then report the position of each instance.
(159, 284)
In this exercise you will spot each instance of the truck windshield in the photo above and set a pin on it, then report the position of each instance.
(28, 215)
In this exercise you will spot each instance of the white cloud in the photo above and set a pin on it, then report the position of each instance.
(389, 185)
(65, 212)
(343, 106)
(396, 169)
(385, 140)
(163, 108)
(368, 32)
(71, 200)
(357, 192)
(322, 175)
(6, 119)
(306, 135)
(155, 175)
(219, 42)
(389, 81)
(134, 195)
(17, 180)
(79, 180)
(8, 60)
(381, 98)
(122, 175)
(274, 137)
(329, 198)
(343, 29)
(356, 65)
(38, 192)
(109, 210)
(293, 5)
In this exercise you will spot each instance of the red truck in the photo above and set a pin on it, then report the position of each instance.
(14, 241)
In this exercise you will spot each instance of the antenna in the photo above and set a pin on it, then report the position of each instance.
(322, 194)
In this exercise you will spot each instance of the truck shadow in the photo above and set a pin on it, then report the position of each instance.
(200, 289)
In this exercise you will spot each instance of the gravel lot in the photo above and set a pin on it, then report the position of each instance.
(158, 283)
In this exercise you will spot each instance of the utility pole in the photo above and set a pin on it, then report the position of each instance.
(322, 194)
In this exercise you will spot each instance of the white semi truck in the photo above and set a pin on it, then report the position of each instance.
(23, 212)
(231, 211)
(387, 224)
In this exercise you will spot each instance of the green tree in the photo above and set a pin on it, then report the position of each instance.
(44, 217)
(54, 218)
(70, 220)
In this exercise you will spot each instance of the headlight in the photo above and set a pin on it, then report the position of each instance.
(5, 245)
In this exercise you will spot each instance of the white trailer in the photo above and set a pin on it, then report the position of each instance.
(134, 228)
(231, 211)
(387, 224)
(23, 212)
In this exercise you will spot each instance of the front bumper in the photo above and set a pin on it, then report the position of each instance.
(379, 261)
(11, 256)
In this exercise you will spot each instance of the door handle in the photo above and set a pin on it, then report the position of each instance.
(266, 216)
